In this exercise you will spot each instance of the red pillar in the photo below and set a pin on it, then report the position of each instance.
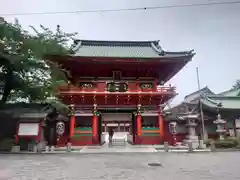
(38, 138)
(72, 126)
(95, 127)
(161, 126)
(139, 125)
(16, 136)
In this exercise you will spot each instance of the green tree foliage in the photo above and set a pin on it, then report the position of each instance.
(23, 71)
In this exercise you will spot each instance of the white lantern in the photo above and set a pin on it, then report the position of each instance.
(60, 128)
(173, 127)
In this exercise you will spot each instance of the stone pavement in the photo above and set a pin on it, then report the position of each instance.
(125, 149)
(128, 166)
(115, 149)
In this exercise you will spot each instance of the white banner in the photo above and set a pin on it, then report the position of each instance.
(28, 129)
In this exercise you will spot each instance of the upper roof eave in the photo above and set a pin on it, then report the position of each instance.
(160, 58)
(125, 49)
(204, 89)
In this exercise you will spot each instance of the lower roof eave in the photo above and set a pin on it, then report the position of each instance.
(116, 93)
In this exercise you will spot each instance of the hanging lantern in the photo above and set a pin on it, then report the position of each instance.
(173, 128)
(60, 128)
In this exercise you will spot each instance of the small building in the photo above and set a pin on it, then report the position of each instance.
(30, 123)
(218, 110)
(225, 105)
(188, 108)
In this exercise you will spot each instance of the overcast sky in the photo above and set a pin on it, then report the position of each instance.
(213, 32)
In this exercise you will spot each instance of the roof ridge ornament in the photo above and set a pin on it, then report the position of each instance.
(77, 44)
(218, 104)
(156, 46)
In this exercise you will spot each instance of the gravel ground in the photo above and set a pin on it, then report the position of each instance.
(127, 166)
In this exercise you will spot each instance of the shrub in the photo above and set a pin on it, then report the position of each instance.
(233, 139)
(225, 143)
(208, 142)
(6, 144)
(238, 146)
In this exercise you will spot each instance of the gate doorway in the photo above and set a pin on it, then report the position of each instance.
(119, 122)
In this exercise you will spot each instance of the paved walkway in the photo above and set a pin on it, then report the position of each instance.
(125, 166)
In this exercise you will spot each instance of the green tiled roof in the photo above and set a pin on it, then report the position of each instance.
(124, 49)
(221, 102)
(231, 92)
(226, 100)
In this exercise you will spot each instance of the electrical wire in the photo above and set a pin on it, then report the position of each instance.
(124, 9)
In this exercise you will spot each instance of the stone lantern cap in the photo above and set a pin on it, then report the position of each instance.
(191, 117)
(219, 120)
(221, 130)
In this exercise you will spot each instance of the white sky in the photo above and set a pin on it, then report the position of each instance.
(213, 32)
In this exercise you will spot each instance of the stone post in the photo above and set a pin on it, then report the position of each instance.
(166, 147)
(220, 126)
(69, 147)
(46, 148)
(190, 146)
(212, 146)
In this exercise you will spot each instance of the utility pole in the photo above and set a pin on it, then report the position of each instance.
(201, 109)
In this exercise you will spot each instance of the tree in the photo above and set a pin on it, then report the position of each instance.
(23, 71)
(236, 85)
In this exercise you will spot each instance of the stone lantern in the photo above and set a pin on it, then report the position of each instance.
(220, 126)
(191, 126)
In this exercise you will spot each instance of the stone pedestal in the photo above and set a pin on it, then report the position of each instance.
(15, 149)
(202, 145)
(35, 148)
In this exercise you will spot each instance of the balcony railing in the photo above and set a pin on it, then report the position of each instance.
(117, 89)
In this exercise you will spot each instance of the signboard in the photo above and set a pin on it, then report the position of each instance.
(28, 129)
(237, 121)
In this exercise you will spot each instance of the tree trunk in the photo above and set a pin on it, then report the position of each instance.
(7, 86)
